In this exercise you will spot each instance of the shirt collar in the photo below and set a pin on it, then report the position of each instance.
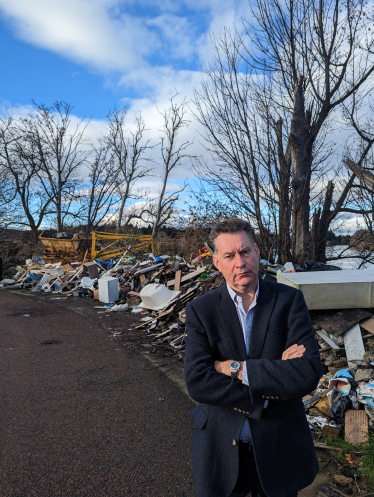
(235, 297)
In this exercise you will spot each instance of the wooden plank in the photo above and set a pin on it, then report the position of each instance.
(177, 284)
(356, 427)
(80, 269)
(354, 345)
(368, 325)
(324, 446)
(142, 278)
(67, 267)
(327, 339)
(189, 276)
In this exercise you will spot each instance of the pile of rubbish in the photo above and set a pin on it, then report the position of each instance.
(159, 288)
(344, 399)
(156, 288)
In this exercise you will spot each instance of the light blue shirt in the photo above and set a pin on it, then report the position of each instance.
(245, 319)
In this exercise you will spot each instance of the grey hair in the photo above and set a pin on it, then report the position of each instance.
(229, 225)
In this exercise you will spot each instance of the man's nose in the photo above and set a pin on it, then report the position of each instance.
(239, 260)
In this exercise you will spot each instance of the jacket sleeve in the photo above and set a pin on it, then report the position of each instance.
(293, 378)
(204, 383)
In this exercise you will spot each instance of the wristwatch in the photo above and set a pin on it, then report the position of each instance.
(234, 368)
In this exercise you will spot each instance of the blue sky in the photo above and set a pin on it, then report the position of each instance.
(101, 54)
(96, 54)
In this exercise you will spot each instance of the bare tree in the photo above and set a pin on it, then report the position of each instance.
(59, 151)
(9, 202)
(128, 149)
(102, 192)
(25, 199)
(172, 152)
(271, 105)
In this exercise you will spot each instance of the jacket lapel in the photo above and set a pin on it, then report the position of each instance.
(227, 312)
(261, 316)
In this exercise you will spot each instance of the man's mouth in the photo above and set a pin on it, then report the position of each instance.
(247, 273)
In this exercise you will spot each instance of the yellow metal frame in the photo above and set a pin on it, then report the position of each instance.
(137, 242)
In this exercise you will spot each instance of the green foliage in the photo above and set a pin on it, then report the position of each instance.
(362, 457)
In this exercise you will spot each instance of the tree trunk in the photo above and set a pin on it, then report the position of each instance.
(321, 224)
(300, 161)
(123, 202)
(58, 218)
(159, 205)
(283, 242)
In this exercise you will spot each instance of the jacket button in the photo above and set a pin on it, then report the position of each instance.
(263, 396)
(235, 408)
(234, 441)
(247, 412)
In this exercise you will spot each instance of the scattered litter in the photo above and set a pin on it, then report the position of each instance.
(119, 307)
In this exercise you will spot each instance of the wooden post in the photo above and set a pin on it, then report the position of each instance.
(177, 283)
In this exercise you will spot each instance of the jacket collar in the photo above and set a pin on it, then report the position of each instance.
(231, 325)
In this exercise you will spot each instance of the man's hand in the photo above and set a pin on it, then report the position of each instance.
(224, 368)
(293, 352)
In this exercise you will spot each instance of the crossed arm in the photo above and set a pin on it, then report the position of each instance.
(208, 381)
(291, 353)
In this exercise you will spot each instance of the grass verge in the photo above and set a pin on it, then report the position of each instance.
(356, 459)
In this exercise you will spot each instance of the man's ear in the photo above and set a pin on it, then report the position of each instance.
(216, 261)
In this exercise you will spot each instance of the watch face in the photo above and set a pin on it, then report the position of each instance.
(234, 365)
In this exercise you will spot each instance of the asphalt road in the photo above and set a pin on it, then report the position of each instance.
(87, 416)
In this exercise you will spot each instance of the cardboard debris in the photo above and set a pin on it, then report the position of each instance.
(336, 322)
(368, 325)
(323, 406)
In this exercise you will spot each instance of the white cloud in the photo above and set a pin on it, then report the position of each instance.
(91, 32)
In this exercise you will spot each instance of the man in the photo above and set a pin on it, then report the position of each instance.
(250, 358)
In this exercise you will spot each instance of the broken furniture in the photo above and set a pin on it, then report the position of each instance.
(92, 269)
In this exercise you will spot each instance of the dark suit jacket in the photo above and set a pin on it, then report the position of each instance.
(282, 441)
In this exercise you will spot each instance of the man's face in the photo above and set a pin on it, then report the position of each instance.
(238, 260)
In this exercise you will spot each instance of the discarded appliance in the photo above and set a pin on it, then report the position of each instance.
(156, 297)
(108, 289)
(333, 289)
